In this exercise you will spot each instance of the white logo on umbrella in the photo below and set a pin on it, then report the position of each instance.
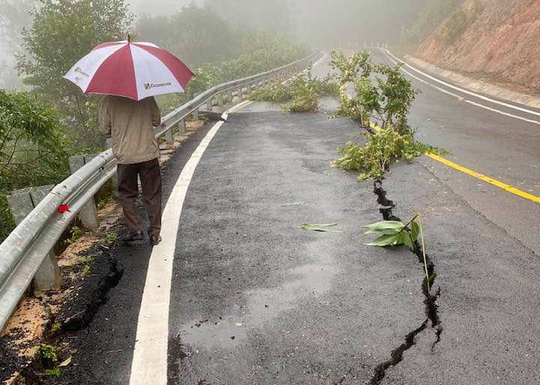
(130, 70)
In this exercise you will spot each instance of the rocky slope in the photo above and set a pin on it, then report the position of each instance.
(496, 40)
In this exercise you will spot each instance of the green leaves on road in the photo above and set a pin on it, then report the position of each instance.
(395, 233)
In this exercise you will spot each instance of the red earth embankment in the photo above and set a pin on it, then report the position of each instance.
(497, 40)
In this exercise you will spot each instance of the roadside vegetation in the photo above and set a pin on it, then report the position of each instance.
(52, 120)
(299, 94)
(383, 95)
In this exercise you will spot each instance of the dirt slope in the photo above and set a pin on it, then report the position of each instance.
(497, 40)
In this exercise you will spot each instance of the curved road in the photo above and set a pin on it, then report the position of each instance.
(255, 299)
(503, 147)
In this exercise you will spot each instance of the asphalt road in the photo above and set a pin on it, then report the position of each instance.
(255, 299)
(502, 147)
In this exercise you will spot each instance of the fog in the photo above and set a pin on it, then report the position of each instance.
(323, 24)
(327, 23)
(157, 7)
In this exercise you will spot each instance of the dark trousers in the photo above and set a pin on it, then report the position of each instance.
(128, 192)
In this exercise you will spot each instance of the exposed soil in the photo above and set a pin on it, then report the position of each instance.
(89, 270)
(500, 44)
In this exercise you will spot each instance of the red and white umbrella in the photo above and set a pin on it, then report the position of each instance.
(132, 70)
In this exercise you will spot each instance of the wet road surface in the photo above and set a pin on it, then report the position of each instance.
(255, 299)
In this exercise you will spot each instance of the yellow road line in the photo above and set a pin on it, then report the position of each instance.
(482, 177)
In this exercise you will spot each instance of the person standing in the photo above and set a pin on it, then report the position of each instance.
(130, 124)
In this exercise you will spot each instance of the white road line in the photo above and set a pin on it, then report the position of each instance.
(149, 365)
(463, 90)
(461, 98)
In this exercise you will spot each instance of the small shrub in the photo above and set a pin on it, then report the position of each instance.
(304, 97)
(48, 352)
(326, 87)
(53, 372)
(48, 355)
(381, 91)
(111, 237)
(274, 92)
(373, 159)
(86, 260)
(298, 95)
(76, 234)
(56, 327)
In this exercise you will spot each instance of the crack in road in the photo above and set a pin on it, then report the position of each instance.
(430, 301)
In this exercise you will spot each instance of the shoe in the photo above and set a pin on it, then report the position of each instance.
(155, 240)
(133, 237)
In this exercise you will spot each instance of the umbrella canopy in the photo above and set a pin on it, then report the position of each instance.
(132, 70)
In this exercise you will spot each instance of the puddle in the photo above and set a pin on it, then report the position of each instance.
(263, 306)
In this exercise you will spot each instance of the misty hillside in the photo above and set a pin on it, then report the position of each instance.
(497, 40)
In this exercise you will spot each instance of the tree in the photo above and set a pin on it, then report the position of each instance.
(195, 34)
(15, 16)
(63, 31)
(32, 148)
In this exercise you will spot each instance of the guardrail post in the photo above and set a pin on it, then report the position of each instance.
(169, 137)
(210, 105)
(88, 213)
(240, 94)
(220, 100)
(182, 126)
(231, 96)
(21, 203)
(195, 114)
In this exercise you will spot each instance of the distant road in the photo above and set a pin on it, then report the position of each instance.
(488, 137)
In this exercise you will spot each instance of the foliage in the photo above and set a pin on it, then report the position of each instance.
(328, 86)
(381, 91)
(48, 353)
(62, 32)
(111, 237)
(56, 327)
(53, 372)
(395, 233)
(76, 234)
(300, 94)
(14, 17)
(32, 148)
(195, 34)
(262, 53)
(304, 99)
(384, 146)
(274, 92)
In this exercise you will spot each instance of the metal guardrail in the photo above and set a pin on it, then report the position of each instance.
(25, 249)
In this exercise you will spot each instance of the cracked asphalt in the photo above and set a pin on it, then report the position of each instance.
(258, 300)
